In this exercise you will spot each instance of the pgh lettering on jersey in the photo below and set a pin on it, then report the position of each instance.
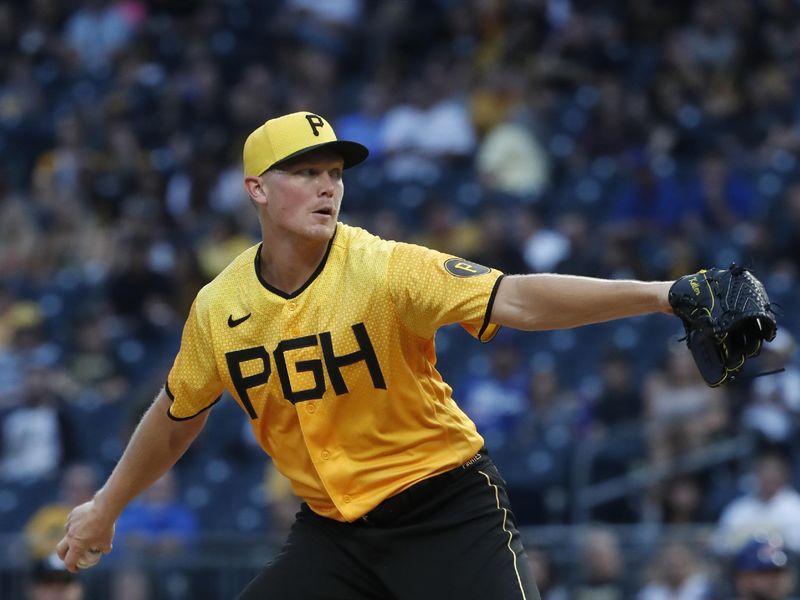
(340, 376)
(330, 363)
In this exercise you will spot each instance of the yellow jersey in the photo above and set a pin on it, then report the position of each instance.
(339, 378)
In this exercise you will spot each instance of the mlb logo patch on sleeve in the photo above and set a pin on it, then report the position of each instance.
(464, 268)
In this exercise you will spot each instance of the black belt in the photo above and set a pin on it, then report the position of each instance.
(396, 506)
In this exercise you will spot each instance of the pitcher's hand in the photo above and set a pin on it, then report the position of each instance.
(88, 531)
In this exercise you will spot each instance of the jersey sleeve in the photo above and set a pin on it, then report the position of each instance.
(430, 289)
(193, 383)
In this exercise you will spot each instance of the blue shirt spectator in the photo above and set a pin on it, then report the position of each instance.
(497, 399)
(723, 197)
(157, 522)
(650, 201)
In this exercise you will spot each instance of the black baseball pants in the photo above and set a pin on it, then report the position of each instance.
(451, 536)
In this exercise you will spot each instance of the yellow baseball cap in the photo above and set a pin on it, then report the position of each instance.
(291, 135)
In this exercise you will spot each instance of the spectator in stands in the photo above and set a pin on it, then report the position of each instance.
(367, 121)
(35, 437)
(681, 501)
(648, 203)
(19, 236)
(30, 344)
(618, 121)
(544, 573)
(388, 224)
(677, 573)
(722, 197)
(772, 507)
(326, 26)
(99, 29)
(65, 164)
(542, 247)
(771, 114)
(157, 523)
(613, 420)
(155, 528)
(497, 96)
(430, 130)
(550, 417)
(620, 399)
(710, 38)
(496, 400)
(445, 230)
(17, 318)
(536, 455)
(681, 412)
(763, 571)
(223, 243)
(511, 160)
(602, 566)
(499, 245)
(49, 580)
(582, 256)
(92, 357)
(21, 121)
(784, 225)
(45, 528)
(137, 281)
(773, 406)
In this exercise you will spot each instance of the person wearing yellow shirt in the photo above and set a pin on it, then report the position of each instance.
(324, 336)
(46, 527)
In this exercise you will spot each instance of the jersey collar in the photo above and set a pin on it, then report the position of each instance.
(308, 282)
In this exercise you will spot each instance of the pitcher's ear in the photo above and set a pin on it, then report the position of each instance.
(255, 189)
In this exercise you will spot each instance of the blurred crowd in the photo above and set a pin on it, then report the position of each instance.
(623, 138)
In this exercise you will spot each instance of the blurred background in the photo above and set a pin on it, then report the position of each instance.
(618, 139)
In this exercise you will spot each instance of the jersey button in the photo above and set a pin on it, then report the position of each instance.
(311, 409)
(346, 499)
(292, 305)
(325, 455)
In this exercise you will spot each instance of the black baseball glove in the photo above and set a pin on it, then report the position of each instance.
(727, 316)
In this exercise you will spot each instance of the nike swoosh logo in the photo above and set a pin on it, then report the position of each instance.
(234, 322)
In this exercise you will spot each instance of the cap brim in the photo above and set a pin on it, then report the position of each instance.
(352, 153)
